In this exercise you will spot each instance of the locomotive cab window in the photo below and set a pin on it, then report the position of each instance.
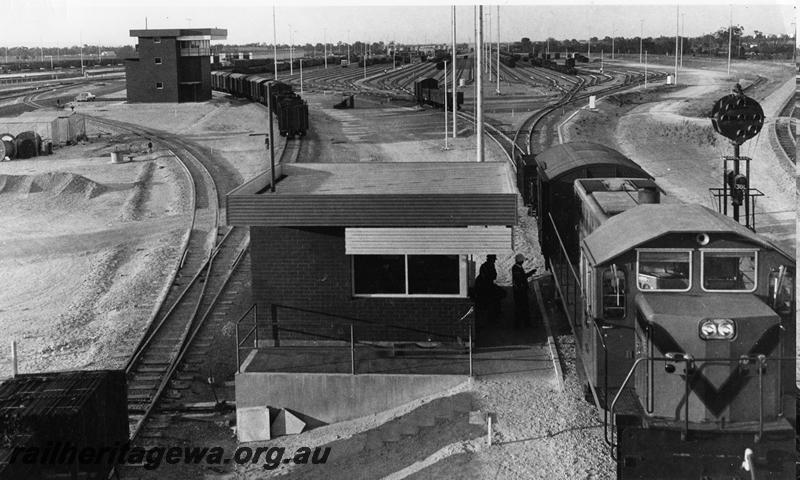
(664, 270)
(729, 270)
(613, 292)
(409, 275)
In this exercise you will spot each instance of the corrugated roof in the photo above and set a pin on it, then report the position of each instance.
(647, 222)
(393, 178)
(565, 157)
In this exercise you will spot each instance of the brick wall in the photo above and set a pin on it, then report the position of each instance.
(141, 76)
(306, 268)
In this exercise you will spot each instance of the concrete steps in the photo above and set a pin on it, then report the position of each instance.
(400, 442)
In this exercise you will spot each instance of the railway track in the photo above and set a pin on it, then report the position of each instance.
(211, 254)
(529, 127)
(785, 131)
(786, 128)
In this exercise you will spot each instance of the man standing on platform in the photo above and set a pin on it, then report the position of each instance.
(519, 279)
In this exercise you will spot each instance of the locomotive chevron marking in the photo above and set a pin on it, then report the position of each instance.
(716, 400)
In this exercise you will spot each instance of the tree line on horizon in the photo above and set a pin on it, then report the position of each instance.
(716, 43)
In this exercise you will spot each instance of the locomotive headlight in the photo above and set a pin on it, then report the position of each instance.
(726, 328)
(717, 329)
(708, 329)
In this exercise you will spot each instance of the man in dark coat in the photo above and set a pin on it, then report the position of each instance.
(519, 279)
(487, 294)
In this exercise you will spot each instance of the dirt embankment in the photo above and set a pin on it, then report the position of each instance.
(87, 246)
(668, 132)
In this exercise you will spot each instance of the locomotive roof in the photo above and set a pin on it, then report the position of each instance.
(561, 159)
(647, 222)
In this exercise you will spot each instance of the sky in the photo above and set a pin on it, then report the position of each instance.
(61, 23)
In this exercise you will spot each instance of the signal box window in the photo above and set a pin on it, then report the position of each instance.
(613, 291)
(729, 270)
(662, 270)
(408, 275)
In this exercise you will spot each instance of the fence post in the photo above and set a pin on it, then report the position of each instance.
(470, 348)
(352, 352)
(14, 362)
(273, 311)
(255, 325)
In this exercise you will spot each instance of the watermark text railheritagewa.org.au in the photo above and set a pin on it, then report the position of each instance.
(57, 453)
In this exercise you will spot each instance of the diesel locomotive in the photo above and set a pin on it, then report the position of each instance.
(684, 320)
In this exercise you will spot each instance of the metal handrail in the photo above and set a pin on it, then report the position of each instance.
(566, 255)
(348, 320)
(292, 327)
(254, 330)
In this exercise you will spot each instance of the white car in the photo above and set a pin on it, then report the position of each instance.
(85, 97)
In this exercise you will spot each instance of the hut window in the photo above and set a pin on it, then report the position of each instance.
(409, 275)
(375, 274)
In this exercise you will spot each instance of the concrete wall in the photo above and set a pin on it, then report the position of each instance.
(337, 397)
(307, 268)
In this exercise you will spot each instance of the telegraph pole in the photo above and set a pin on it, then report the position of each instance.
(488, 45)
(274, 48)
(479, 82)
(271, 138)
(445, 106)
(475, 63)
(730, 38)
(641, 35)
(498, 49)
(325, 41)
(453, 67)
(291, 48)
(677, 26)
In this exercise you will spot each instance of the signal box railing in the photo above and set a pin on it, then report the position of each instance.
(250, 333)
(328, 330)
